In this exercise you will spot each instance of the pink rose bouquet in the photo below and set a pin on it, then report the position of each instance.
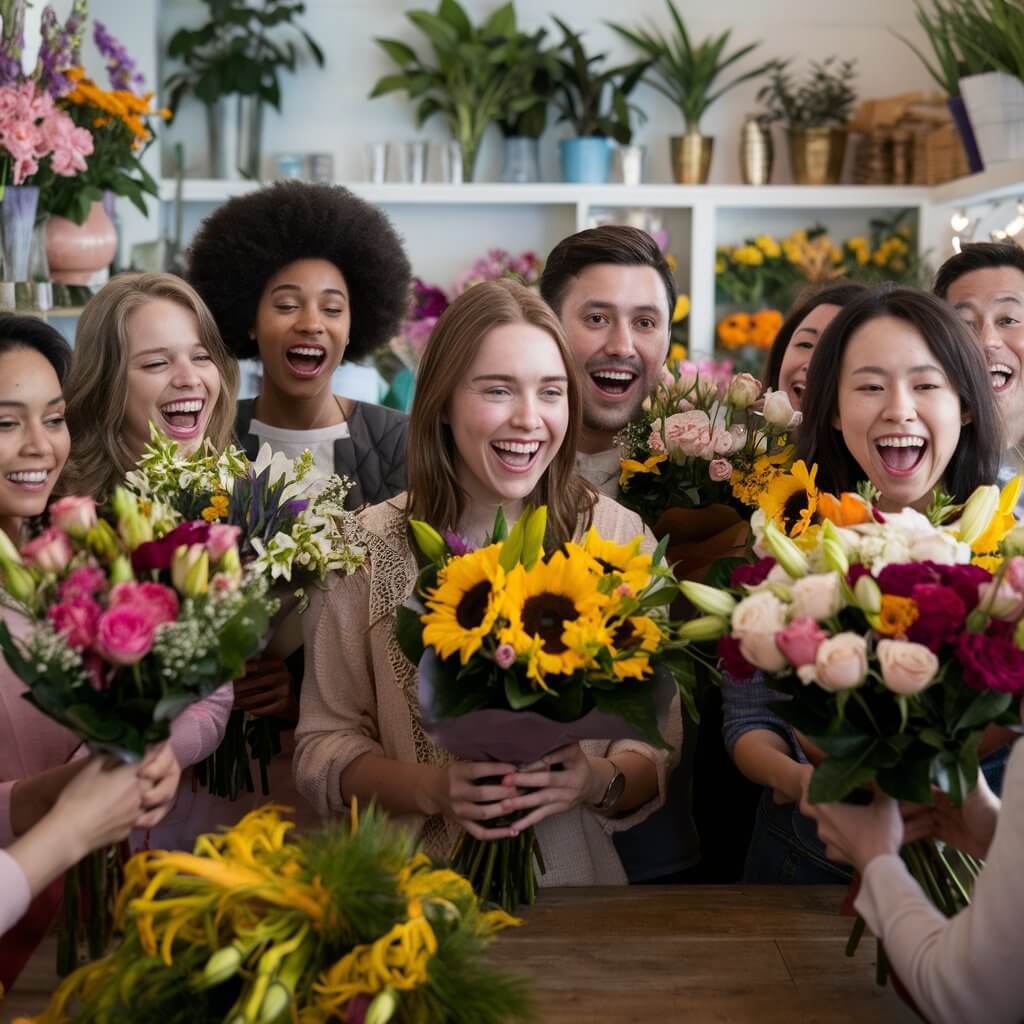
(129, 629)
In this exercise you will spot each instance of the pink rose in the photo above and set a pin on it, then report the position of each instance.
(762, 612)
(50, 552)
(800, 641)
(85, 581)
(907, 667)
(816, 597)
(74, 515)
(75, 620)
(841, 662)
(743, 390)
(154, 600)
(1003, 602)
(687, 433)
(505, 655)
(1015, 571)
(761, 650)
(721, 441)
(222, 538)
(124, 634)
(720, 470)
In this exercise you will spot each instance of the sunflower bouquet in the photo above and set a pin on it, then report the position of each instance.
(898, 638)
(291, 527)
(351, 924)
(706, 443)
(520, 653)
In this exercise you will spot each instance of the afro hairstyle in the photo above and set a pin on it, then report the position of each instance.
(250, 238)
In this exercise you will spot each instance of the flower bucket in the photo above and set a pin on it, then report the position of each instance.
(76, 252)
(17, 218)
(995, 105)
(816, 155)
(586, 160)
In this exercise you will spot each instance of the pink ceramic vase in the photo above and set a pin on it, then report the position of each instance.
(76, 252)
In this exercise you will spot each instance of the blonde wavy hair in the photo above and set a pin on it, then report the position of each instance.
(96, 389)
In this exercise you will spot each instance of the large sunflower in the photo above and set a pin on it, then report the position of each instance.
(539, 602)
(624, 560)
(635, 639)
(792, 499)
(465, 604)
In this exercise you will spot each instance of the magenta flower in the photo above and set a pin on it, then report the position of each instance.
(124, 634)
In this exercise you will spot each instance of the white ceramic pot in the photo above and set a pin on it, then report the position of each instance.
(995, 105)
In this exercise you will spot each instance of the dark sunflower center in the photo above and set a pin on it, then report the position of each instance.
(625, 636)
(796, 505)
(545, 616)
(473, 605)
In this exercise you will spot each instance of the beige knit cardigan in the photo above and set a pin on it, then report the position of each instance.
(359, 697)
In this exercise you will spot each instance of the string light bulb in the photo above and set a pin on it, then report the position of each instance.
(959, 221)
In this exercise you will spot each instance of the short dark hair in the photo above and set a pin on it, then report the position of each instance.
(611, 243)
(977, 256)
(31, 332)
(976, 458)
(250, 238)
(838, 293)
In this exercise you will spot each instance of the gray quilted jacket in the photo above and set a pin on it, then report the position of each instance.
(372, 456)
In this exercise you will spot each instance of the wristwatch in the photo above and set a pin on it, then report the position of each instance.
(613, 794)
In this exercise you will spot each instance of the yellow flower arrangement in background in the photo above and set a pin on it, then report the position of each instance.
(755, 329)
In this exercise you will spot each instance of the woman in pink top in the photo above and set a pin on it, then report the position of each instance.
(37, 756)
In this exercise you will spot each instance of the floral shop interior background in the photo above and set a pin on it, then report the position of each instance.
(892, 209)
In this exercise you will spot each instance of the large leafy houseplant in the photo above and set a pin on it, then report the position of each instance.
(234, 54)
(686, 73)
(541, 84)
(477, 76)
(596, 102)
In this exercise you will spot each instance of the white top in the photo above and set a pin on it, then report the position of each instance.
(14, 892)
(293, 443)
(965, 968)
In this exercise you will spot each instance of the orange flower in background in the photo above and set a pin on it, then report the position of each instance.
(120, 103)
(898, 614)
(848, 509)
(734, 331)
(764, 326)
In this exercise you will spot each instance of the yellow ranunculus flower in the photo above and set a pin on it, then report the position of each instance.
(768, 246)
(749, 255)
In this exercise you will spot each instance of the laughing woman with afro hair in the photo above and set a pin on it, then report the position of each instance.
(303, 276)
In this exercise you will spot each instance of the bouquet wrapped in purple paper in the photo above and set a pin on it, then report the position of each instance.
(521, 653)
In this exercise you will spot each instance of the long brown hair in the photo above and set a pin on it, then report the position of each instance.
(97, 386)
(434, 492)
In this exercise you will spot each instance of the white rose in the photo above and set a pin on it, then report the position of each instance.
(762, 652)
(762, 612)
(778, 410)
(816, 597)
(907, 668)
(841, 662)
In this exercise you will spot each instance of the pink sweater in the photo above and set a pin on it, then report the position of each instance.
(14, 892)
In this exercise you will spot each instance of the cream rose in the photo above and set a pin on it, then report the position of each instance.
(907, 667)
(778, 410)
(762, 612)
(762, 652)
(841, 662)
(816, 597)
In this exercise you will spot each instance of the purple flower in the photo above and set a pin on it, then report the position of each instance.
(940, 618)
(900, 580)
(991, 663)
(122, 70)
(751, 575)
(965, 580)
(429, 300)
(457, 545)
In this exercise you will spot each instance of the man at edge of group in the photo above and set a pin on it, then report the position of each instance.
(614, 294)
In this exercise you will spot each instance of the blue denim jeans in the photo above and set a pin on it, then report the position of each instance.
(785, 848)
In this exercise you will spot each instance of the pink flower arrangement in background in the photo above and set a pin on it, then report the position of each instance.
(497, 264)
(32, 129)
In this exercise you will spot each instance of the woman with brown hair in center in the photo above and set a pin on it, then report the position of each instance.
(494, 424)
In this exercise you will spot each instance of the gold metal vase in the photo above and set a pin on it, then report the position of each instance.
(816, 155)
(691, 157)
(756, 151)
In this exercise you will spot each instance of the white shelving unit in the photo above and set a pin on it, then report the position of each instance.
(579, 204)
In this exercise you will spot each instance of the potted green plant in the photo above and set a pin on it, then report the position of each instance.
(687, 75)
(597, 105)
(952, 61)
(992, 32)
(478, 76)
(815, 111)
(522, 128)
(232, 55)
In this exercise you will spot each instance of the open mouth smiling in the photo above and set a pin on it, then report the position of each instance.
(901, 453)
(306, 360)
(183, 415)
(28, 479)
(517, 456)
(1001, 375)
(614, 382)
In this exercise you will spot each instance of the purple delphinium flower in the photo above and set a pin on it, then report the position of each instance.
(121, 68)
(457, 544)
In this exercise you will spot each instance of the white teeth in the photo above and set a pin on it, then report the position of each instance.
(305, 350)
(187, 405)
(28, 476)
(518, 447)
(900, 442)
(1000, 368)
(615, 375)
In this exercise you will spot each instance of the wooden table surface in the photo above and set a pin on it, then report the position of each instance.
(701, 954)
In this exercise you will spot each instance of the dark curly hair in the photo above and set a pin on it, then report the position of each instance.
(246, 241)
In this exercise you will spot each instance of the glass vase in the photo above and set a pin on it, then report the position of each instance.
(17, 223)
(521, 163)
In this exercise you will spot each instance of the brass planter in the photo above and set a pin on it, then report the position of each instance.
(691, 158)
(816, 155)
(756, 152)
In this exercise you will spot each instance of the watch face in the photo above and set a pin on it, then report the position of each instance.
(614, 792)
